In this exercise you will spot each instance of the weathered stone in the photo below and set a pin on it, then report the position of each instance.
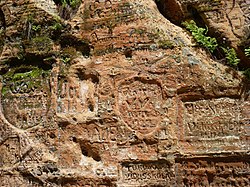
(229, 21)
(114, 94)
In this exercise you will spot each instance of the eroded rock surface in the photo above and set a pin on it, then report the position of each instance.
(113, 94)
(227, 20)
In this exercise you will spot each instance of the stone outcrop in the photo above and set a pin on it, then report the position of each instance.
(228, 21)
(111, 93)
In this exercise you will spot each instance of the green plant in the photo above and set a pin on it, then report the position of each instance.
(247, 73)
(231, 56)
(4, 90)
(56, 26)
(247, 51)
(23, 72)
(34, 73)
(30, 76)
(72, 3)
(65, 60)
(200, 35)
(36, 27)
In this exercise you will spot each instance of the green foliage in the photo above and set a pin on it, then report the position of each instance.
(66, 60)
(247, 51)
(200, 35)
(34, 73)
(36, 27)
(247, 73)
(72, 3)
(23, 72)
(4, 90)
(231, 56)
(56, 26)
(29, 75)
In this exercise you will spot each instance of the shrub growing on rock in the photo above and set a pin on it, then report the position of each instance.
(200, 35)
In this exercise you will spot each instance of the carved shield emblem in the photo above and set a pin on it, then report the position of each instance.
(140, 104)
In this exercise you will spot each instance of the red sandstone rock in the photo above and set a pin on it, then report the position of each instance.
(116, 95)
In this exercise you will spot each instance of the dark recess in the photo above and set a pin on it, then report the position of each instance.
(170, 10)
(2, 28)
(128, 53)
(65, 10)
(82, 46)
(35, 180)
(89, 151)
(2, 20)
(26, 64)
(88, 74)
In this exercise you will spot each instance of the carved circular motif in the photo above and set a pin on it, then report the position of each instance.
(140, 104)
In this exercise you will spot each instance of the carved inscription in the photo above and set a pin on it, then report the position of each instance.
(25, 103)
(156, 173)
(110, 9)
(214, 118)
(113, 132)
(103, 17)
(140, 104)
(213, 172)
(215, 125)
(75, 97)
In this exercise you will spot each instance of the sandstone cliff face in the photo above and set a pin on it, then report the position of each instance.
(228, 21)
(111, 93)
